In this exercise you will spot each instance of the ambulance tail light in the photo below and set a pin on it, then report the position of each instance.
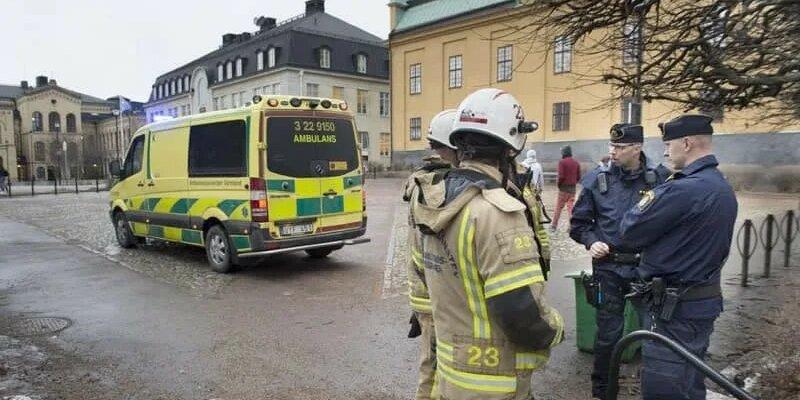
(259, 207)
(363, 199)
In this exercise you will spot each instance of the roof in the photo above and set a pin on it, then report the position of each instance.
(14, 92)
(10, 92)
(433, 11)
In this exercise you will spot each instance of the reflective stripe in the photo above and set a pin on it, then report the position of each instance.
(444, 351)
(470, 279)
(509, 281)
(477, 382)
(416, 256)
(531, 360)
(420, 304)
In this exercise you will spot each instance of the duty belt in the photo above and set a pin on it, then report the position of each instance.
(663, 298)
(621, 258)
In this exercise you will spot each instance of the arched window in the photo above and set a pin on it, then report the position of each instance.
(219, 73)
(38, 151)
(37, 121)
(229, 70)
(239, 66)
(260, 60)
(40, 173)
(54, 120)
(180, 85)
(324, 57)
(271, 57)
(71, 127)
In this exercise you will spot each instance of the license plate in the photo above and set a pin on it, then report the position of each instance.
(297, 229)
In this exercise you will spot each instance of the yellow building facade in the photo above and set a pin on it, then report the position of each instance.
(442, 50)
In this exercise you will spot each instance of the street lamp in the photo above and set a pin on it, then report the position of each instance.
(116, 137)
(57, 127)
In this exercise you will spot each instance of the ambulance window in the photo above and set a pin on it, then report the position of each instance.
(218, 149)
(307, 147)
(133, 163)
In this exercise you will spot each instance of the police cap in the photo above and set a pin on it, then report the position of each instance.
(627, 133)
(686, 125)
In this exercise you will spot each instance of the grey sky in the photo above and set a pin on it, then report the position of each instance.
(108, 47)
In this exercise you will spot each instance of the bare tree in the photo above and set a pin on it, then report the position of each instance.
(704, 55)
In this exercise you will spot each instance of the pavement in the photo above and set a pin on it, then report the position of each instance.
(156, 323)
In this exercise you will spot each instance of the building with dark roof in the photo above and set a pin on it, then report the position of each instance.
(47, 131)
(312, 54)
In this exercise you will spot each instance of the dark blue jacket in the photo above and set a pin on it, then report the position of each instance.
(597, 216)
(685, 227)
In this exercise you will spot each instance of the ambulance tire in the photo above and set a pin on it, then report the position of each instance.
(218, 250)
(321, 252)
(122, 230)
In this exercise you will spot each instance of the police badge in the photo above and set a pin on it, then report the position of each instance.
(646, 200)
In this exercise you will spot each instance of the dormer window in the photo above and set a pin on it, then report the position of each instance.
(260, 60)
(239, 66)
(172, 87)
(271, 56)
(361, 64)
(229, 70)
(325, 58)
(219, 73)
(186, 83)
(180, 85)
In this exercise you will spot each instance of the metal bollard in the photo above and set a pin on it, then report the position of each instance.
(76, 185)
(788, 235)
(55, 185)
(33, 190)
(8, 186)
(97, 185)
(767, 242)
(745, 249)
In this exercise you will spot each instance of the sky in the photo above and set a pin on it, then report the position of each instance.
(108, 47)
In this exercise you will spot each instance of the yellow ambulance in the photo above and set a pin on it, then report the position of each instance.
(279, 175)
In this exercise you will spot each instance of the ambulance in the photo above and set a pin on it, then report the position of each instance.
(282, 174)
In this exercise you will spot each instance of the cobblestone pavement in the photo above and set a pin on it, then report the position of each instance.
(82, 220)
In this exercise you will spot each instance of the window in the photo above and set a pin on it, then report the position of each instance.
(416, 128)
(180, 85)
(384, 104)
(632, 37)
(172, 87)
(324, 57)
(133, 162)
(361, 101)
(40, 173)
(271, 56)
(243, 98)
(292, 153)
(215, 103)
(71, 126)
(312, 89)
(222, 101)
(239, 66)
(631, 111)
(157, 91)
(276, 88)
(415, 79)
(219, 73)
(54, 122)
(361, 64)
(386, 140)
(364, 136)
(456, 71)
(229, 70)
(186, 83)
(235, 100)
(38, 151)
(338, 92)
(561, 116)
(218, 149)
(563, 55)
(504, 63)
(36, 119)
(260, 60)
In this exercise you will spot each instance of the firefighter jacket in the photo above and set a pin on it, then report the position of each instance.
(493, 327)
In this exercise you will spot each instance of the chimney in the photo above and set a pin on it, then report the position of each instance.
(396, 10)
(315, 6)
(265, 23)
(41, 81)
(245, 36)
(228, 38)
(24, 84)
(52, 82)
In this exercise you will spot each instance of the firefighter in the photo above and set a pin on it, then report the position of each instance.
(482, 268)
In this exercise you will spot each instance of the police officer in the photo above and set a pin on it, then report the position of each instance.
(684, 228)
(607, 193)
(421, 320)
(493, 327)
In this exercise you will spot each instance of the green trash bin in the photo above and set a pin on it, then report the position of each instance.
(585, 326)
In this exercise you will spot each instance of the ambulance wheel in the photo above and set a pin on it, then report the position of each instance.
(321, 252)
(218, 250)
(122, 229)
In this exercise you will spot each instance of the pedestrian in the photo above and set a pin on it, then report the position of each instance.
(569, 173)
(3, 179)
(607, 193)
(684, 228)
(419, 299)
(537, 176)
(493, 327)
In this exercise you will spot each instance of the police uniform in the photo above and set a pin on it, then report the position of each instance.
(493, 328)
(418, 296)
(606, 195)
(684, 228)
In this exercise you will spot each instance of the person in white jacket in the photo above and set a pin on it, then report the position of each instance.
(537, 179)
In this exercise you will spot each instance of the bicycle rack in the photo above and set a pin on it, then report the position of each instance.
(705, 369)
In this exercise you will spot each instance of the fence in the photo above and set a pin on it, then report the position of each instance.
(39, 187)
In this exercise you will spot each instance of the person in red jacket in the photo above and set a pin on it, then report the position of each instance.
(569, 173)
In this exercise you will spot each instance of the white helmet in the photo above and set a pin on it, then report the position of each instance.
(495, 113)
(440, 127)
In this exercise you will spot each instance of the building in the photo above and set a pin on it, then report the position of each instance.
(312, 54)
(49, 131)
(442, 50)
